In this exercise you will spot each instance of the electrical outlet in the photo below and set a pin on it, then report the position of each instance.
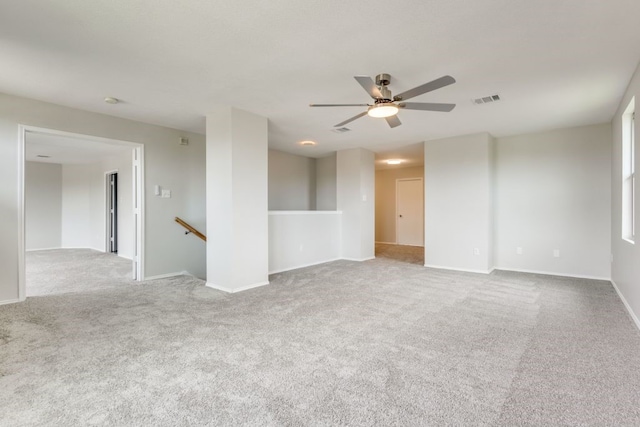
(476, 251)
(166, 194)
(556, 253)
(519, 250)
(301, 248)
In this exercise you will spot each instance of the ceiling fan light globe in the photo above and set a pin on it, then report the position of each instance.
(383, 110)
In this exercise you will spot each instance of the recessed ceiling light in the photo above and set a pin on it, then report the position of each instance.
(110, 100)
(307, 142)
(394, 161)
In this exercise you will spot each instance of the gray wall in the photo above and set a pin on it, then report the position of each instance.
(553, 193)
(43, 204)
(326, 183)
(625, 269)
(292, 182)
(356, 199)
(458, 202)
(84, 204)
(79, 187)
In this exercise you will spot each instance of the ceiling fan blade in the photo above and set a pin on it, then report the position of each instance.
(367, 83)
(350, 120)
(427, 106)
(393, 121)
(427, 87)
(338, 105)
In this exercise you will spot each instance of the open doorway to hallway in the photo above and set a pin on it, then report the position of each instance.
(82, 199)
(400, 204)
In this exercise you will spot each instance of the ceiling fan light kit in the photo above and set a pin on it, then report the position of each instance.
(385, 109)
(387, 106)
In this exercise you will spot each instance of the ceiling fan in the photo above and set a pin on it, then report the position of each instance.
(387, 106)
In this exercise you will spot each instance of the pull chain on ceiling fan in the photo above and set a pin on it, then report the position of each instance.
(387, 106)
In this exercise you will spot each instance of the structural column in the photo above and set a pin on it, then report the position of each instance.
(355, 182)
(237, 216)
(458, 210)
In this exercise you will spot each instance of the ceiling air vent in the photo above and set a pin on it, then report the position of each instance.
(486, 99)
(340, 130)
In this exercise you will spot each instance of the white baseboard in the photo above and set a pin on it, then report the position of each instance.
(166, 276)
(233, 291)
(303, 266)
(42, 249)
(82, 247)
(626, 304)
(464, 270)
(11, 301)
(358, 259)
(125, 257)
(550, 273)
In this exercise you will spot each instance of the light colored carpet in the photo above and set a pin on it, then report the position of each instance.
(343, 343)
(402, 253)
(74, 270)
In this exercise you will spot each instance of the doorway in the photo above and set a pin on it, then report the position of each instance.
(87, 222)
(410, 212)
(112, 212)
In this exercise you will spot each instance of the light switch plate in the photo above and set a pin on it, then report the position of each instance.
(166, 194)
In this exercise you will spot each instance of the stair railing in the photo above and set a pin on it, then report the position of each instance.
(190, 229)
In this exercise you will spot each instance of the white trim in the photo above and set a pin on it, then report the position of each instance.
(626, 304)
(168, 275)
(138, 196)
(82, 247)
(358, 259)
(304, 266)
(233, 291)
(465, 270)
(12, 301)
(550, 273)
(22, 283)
(305, 212)
(43, 249)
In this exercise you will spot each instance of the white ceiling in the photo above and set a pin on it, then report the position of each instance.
(555, 63)
(65, 150)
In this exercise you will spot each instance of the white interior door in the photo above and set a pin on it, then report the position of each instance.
(409, 212)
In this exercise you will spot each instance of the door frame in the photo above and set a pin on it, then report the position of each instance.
(138, 197)
(398, 180)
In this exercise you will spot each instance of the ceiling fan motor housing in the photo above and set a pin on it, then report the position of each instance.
(383, 79)
(386, 94)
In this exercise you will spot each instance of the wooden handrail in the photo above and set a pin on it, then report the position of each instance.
(191, 229)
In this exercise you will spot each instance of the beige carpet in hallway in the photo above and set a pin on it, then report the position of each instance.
(402, 253)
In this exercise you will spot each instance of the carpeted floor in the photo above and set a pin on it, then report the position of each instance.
(344, 343)
(402, 253)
